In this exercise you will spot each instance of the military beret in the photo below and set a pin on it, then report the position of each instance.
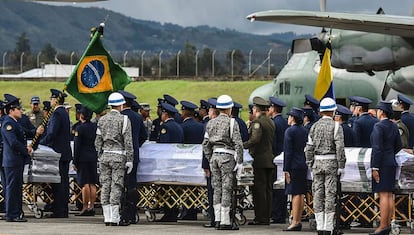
(342, 110)
(404, 99)
(296, 112)
(171, 100)
(186, 105)
(259, 101)
(276, 102)
(55, 93)
(127, 95)
(168, 108)
(310, 100)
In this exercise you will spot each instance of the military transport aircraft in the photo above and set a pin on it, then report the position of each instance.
(385, 45)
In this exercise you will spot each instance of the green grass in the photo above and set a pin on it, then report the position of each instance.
(147, 91)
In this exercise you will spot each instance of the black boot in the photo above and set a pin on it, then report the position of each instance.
(320, 232)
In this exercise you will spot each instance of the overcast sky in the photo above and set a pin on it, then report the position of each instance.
(232, 13)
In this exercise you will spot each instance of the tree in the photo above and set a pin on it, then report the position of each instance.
(49, 53)
(23, 44)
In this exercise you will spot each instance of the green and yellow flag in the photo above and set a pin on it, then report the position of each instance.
(96, 76)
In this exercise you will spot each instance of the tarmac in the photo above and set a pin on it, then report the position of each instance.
(94, 225)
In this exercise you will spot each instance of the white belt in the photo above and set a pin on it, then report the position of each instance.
(115, 151)
(325, 157)
(223, 150)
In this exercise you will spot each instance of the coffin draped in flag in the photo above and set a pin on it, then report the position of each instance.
(96, 76)
(324, 82)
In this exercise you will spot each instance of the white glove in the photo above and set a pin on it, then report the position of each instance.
(238, 169)
(129, 166)
(341, 171)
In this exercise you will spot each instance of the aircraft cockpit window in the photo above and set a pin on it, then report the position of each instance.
(287, 88)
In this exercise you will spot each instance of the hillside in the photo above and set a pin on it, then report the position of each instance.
(67, 29)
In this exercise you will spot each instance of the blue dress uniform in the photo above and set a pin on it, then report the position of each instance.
(344, 112)
(28, 128)
(139, 135)
(314, 104)
(363, 126)
(294, 160)
(407, 118)
(156, 124)
(58, 138)
(279, 199)
(171, 132)
(386, 142)
(193, 131)
(242, 125)
(204, 105)
(308, 112)
(15, 155)
(172, 101)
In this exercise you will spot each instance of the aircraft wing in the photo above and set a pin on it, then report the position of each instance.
(385, 24)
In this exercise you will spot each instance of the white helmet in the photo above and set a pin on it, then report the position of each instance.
(224, 102)
(327, 104)
(116, 99)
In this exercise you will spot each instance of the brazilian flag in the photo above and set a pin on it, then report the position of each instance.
(96, 76)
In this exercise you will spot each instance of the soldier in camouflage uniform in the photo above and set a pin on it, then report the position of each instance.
(115, 152)
(325, 155)
(223, 148)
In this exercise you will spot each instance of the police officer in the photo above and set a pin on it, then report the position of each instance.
(206, 165)
(261, 134)
(406, 117)
(203, 111)
(139, 135)
(223, 147)
(171, 132)
(325, 155)
(156, 124)
(15, 155)
(308, 118)
(294, 165)
(193, 134)
(353, 111)
(235, 111)
(145, 112)
(279, 198)
(386, 143)
(341, 115)
(115, 152)
(58, 138)
(172, 101)
(363, 126)
(312, 102)
(402, 128)
(35, 114)
(85, 160)
(193, 131)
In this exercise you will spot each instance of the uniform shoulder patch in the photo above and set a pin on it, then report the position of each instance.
(256, 125)
(163, 131)
(9, 127)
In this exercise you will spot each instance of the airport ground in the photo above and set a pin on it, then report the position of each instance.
(94, 225)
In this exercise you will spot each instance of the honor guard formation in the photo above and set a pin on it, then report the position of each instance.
(311, 138)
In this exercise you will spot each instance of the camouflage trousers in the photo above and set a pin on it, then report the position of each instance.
(222, 177)
(112, 181)
(324, 185)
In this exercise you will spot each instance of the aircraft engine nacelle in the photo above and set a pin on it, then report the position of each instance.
(360, 52)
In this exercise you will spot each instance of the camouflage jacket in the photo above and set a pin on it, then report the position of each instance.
(322, 140)
(218, 135)
(111, 138)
